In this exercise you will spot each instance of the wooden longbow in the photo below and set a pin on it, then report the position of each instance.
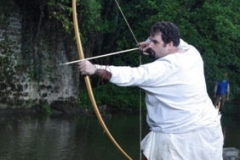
(88, 84)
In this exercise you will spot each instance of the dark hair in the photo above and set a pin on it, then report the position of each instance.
(168, 30)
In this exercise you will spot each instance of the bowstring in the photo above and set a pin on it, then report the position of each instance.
(129, 27)
(140, 92)
(140, 115)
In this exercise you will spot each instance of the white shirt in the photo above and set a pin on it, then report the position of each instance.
(176, 95)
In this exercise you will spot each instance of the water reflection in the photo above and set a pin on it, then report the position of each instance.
(79, 137)
(66, 138)
(34, 137)
(231, 131)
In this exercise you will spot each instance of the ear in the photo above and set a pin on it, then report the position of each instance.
(170, 45)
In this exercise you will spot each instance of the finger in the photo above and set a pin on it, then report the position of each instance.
(143, 45)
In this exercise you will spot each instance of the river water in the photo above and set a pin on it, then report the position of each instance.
(78, 137)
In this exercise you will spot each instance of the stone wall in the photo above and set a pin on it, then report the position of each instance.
(18, 87)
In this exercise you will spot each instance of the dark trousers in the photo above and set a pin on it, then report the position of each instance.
(219, 102)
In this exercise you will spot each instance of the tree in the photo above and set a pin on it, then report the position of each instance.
(212, 26)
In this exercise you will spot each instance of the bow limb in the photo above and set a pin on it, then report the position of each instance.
(88, 84)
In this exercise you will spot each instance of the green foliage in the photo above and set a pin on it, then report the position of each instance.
(114, 96)
(61, 11)
(47, 109)
(6, 61)
(213, 27)
(88, 14)
(84, 100)
(123, 97)
(219, 32)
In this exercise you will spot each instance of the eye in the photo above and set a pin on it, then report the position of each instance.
(155, 42)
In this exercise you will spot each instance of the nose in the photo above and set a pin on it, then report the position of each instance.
(151, 42)
(150, 45)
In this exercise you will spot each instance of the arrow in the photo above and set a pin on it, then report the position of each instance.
(96, 57)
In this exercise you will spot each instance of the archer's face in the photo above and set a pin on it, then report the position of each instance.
(158, 46)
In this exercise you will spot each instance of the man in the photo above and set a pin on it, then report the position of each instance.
(221, 93)
(183, 122)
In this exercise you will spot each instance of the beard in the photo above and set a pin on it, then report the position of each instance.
(151, 53)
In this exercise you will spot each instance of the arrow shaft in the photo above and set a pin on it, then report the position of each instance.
(96, 57)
